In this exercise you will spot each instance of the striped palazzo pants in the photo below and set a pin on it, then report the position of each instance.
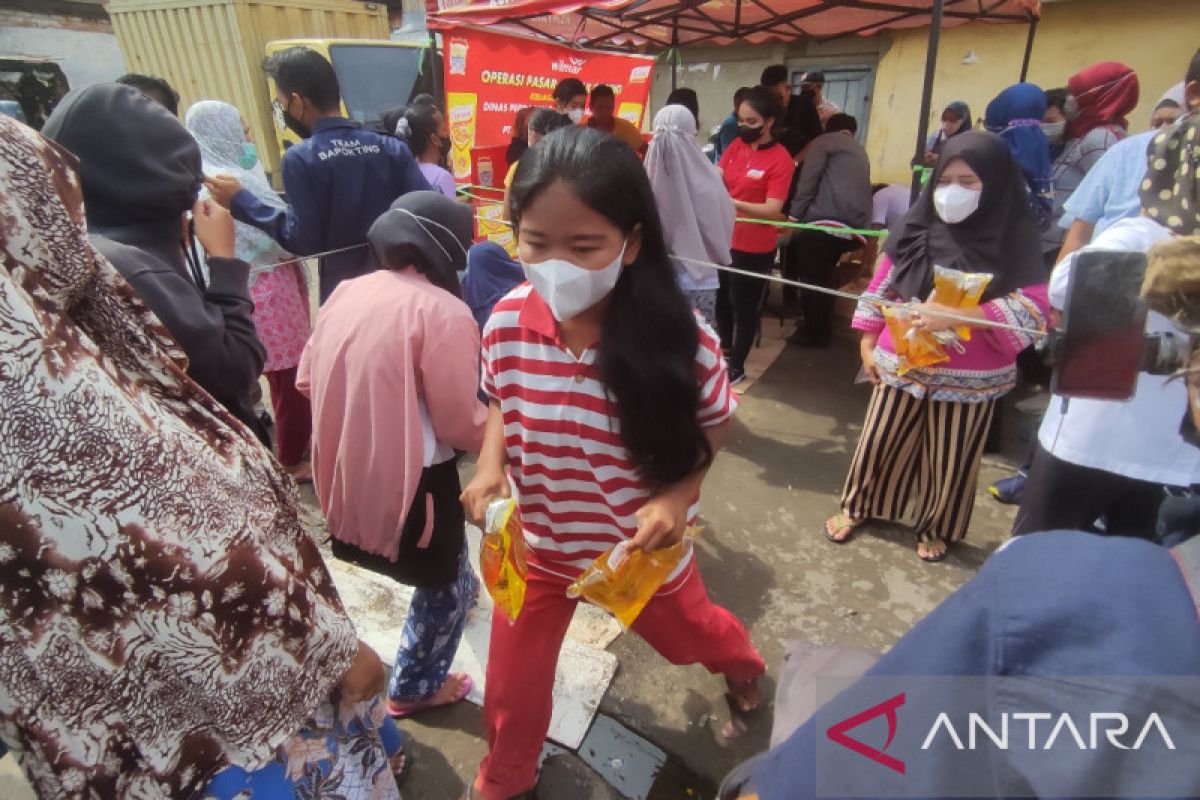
(917, 463)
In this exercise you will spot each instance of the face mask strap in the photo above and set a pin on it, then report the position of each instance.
(422, 220)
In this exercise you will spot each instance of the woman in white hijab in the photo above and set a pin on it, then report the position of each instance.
(277, 280)
(697, 213)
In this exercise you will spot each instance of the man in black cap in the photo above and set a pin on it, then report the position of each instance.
(815, 82)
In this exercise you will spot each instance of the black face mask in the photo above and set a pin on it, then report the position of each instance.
(296, 126)
(748, 134)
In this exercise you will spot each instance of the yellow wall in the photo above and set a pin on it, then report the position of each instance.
(1157, 38)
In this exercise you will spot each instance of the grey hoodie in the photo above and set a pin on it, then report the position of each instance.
(140, 171)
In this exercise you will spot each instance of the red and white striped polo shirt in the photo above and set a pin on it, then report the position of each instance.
(576, 483)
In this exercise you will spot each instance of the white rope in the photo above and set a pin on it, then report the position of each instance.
(972, 321)
(808, 287)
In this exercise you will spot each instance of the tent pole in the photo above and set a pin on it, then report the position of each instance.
(935, 34)
(1033, 23)
(439, 91)
(674, 52)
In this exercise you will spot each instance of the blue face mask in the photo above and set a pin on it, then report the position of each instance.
(249, 156)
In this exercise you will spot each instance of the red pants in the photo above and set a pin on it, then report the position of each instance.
(293, 417)
(685, 627)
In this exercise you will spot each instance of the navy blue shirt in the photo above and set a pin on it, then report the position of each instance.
(338, 181)
(1049, 604)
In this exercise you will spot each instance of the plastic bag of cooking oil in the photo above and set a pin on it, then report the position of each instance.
(952, 287)
(502, 556)
(915, 349)
(624, 579)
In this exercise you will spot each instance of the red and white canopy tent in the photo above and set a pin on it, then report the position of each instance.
(657, 25)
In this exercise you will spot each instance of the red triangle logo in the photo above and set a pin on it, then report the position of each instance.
(837, 733)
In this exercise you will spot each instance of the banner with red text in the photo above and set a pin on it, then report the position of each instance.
(490, 77)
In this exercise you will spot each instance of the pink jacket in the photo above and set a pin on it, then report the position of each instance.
(385, 344)
(986, 367)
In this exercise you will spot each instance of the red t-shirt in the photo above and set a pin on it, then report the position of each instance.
(756, 175)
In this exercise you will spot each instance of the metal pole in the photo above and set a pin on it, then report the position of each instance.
(674, 52)
(935, 34)
(435, 64)
(1033, 23)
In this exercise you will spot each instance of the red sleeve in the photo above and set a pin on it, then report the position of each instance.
(779, 180)
(488, 375)
(727, 156)
(717, 400)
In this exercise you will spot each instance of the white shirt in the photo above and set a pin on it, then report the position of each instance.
(1139, 438)
(890, 204)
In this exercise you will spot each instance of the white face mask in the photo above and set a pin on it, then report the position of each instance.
(569, 289)
(955, 203)
(576, 114)
(1055, 131)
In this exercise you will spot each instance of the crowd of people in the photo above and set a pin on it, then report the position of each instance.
(153, 564)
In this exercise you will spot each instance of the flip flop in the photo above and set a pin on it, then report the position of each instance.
(934, 559)
(405, 766)
(402, 711)
(848, 525)
(739, 718)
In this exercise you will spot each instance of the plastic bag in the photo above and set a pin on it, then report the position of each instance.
(502, 556)
(915, 349)
(623, 580)
(952, 287)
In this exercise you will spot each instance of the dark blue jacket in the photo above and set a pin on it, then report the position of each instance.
(338, 181)
(1050, 604)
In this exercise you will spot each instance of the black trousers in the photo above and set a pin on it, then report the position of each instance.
(1060, 495)
(815, 255)
(739, 303)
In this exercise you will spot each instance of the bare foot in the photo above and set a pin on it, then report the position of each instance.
(455, 688)
(932, 551)
(302, 472)
(839, 528)
(452, 689)
(743, 699)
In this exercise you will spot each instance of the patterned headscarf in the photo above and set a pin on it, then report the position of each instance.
(162, 611)
(217, 128)
(1171, 190)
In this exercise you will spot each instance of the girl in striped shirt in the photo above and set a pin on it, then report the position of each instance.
(608, 397)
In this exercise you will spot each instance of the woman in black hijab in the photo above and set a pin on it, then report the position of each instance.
(918, 458)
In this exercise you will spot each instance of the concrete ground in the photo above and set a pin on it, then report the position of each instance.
(764, 557)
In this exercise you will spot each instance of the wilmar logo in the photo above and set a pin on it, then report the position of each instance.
(887, 709)
(571, 65)
(639, 74)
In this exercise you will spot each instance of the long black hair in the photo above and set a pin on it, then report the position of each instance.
(649, 339)
(417, 126)
(767, 106)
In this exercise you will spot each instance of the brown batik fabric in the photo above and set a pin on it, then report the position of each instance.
(162, 612)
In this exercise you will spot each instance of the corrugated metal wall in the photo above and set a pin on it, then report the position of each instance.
(213, 49)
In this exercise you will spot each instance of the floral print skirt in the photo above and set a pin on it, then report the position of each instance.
(343, 753)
